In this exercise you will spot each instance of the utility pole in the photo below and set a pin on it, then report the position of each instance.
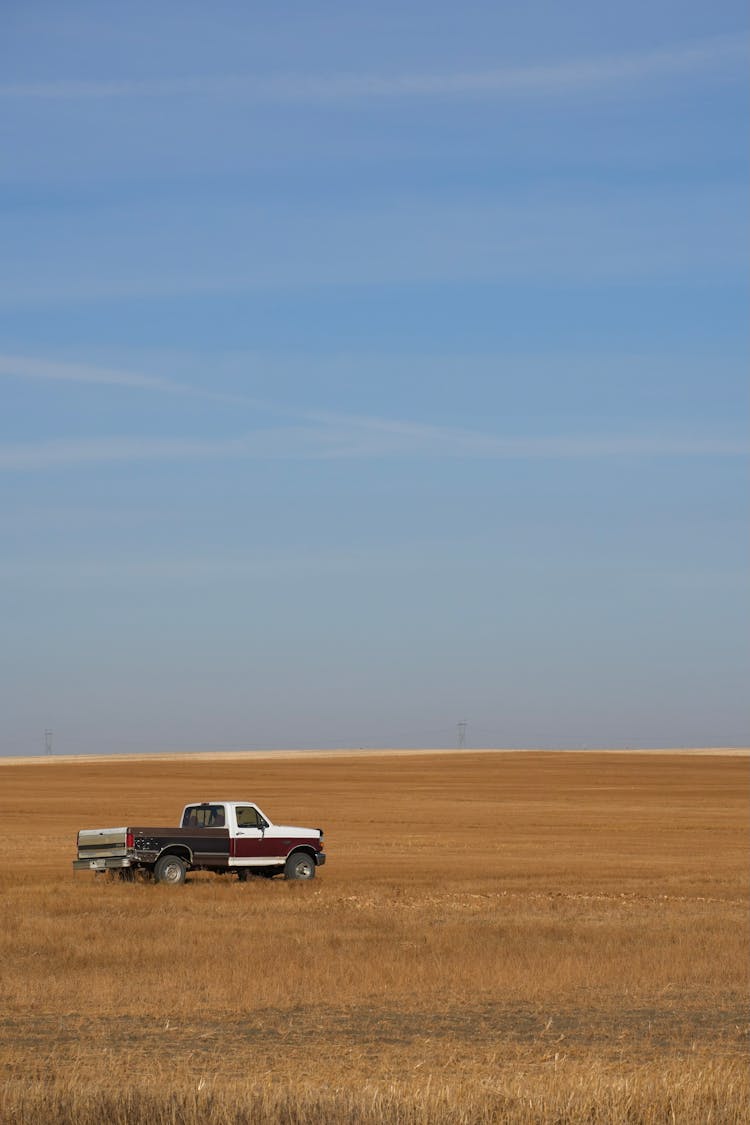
(48, 743)
(462, 733)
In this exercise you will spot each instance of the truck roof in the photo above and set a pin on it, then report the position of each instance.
(218, 801)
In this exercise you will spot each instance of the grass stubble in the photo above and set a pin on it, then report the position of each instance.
(503, 937)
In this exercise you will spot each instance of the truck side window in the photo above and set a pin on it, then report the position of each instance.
(248, 818)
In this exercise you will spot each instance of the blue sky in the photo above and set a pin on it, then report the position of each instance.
(369, 368)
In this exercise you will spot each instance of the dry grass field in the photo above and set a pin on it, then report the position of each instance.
(497, 937)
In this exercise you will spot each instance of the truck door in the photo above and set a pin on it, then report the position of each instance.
(249, 839)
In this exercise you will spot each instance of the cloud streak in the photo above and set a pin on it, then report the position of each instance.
(31, 367)
(34, 368)
(366, 439)
(314, 434)
(713, 54)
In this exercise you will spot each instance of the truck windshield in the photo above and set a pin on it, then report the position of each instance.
(204, 816)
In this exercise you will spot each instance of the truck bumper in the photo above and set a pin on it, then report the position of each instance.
(107, 863)
(320, 858)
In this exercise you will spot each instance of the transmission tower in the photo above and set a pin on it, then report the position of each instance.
(462, 733)
(48, 742)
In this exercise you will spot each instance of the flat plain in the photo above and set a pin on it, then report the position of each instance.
(496, 937)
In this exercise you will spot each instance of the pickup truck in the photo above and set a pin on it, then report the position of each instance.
(220, 836)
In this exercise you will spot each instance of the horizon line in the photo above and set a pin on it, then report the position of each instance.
(362, 752)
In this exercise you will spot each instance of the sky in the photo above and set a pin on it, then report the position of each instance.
(367, 370)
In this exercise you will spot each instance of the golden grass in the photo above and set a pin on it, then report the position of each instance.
(496, 937)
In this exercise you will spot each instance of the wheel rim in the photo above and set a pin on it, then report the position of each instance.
(304, 869)
(172, 872)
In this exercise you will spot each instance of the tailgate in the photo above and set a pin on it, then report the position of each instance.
(98, 842)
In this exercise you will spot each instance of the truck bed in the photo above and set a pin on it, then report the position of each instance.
(209, 847)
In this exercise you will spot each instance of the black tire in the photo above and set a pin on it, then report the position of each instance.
(170, 869)
(300, 865)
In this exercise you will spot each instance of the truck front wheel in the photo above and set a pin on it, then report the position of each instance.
(170, 869)
(299, 865)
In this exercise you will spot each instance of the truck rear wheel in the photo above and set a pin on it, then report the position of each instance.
(300, 865)
(170, 869)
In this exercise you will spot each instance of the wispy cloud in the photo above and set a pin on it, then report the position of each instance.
(358, 440)
(551, 78)
(36, 368)
(32, 367)
(315, 434)
(43, 369)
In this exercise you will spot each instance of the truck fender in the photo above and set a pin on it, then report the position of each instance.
(180, 850)
(301, 848)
